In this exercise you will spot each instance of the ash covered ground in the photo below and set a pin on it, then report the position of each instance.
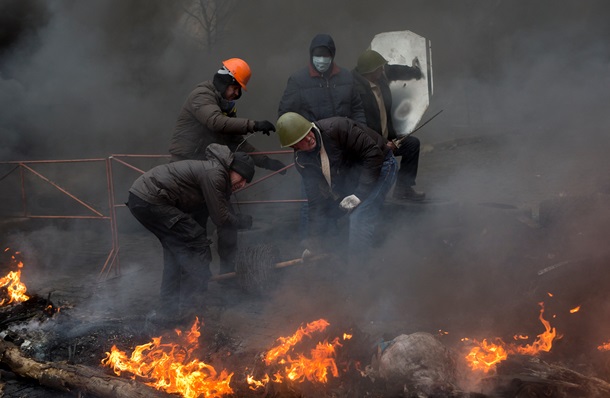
(474, 265)
(515, 170)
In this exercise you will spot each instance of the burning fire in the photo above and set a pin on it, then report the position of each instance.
(604, 346)
(484, 356)
(12, 282)
(544, 341)
(575, 309)
(171, 367)
(316, 367)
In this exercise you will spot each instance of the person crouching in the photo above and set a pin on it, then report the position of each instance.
(163, 200)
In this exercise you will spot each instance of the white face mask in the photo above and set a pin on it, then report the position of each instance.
(321, 63)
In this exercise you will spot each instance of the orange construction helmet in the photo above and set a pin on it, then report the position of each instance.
(239, 69)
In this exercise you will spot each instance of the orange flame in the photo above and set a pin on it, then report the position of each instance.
(12, 281)
(575, 309)
(316, 367)
(604, 346)
(14, 287)
(544, 342)
(170, 367)
(484, 356)
(288, 342)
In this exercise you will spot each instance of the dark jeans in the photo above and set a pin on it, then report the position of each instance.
(409, 151)
(304, 214)
(186, 252)
(364, 219)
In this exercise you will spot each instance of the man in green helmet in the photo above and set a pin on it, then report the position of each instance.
(371, 77)
(347, 169)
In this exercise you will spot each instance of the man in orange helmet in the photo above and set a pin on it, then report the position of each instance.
(209, 116)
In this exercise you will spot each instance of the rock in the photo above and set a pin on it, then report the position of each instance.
(418, 363)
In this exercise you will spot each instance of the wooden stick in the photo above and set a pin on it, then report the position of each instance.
(282, 264)
(74, 378)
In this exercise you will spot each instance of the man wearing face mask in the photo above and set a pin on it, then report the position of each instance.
(322, 89)
(318, 91)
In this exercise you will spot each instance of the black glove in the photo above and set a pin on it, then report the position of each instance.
(275, 165)
(264, 125)
(244, 221)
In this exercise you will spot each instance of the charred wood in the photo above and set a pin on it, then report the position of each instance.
(523, 377)
(77, 379)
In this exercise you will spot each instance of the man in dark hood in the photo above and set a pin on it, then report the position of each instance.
(319, 91)
(322, 89)
(164, 199)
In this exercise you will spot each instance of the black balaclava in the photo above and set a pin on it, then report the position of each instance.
(223, 80)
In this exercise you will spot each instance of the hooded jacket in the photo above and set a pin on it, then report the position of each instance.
(190, 185)
(317, 96)
(206, 118)
(356, 154)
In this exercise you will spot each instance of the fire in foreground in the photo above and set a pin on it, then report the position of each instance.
(15, 289)
(484, 356)
(172, 367)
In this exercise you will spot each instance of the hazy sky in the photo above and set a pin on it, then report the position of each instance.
(110, 76)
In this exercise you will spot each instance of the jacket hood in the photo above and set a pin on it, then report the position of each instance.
(322, 40)
(222, 153)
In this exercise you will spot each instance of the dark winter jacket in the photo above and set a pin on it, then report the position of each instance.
(356, 154)
(369, 103)
(206, 118)
(191, 185)
(318, 96)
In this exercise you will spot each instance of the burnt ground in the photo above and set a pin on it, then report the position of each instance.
(494, 239)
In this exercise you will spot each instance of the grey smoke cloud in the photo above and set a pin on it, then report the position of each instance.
(108, 76)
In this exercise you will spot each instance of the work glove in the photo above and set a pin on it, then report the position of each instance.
(349, 203)
(244, 221)
(275, 165)
(312, 247)
(265, 126)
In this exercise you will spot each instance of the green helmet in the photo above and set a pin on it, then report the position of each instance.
(369, 61)
(292, 128)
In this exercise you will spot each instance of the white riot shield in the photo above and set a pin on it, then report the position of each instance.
(410, 98)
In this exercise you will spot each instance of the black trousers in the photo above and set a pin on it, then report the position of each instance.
(186, 252)
(227, 241)
(409, 152)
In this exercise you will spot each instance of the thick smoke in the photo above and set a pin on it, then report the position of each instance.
(522, 83)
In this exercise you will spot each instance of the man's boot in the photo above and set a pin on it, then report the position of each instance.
(403, 191)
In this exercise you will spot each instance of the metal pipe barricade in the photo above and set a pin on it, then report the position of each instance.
(111, 265)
